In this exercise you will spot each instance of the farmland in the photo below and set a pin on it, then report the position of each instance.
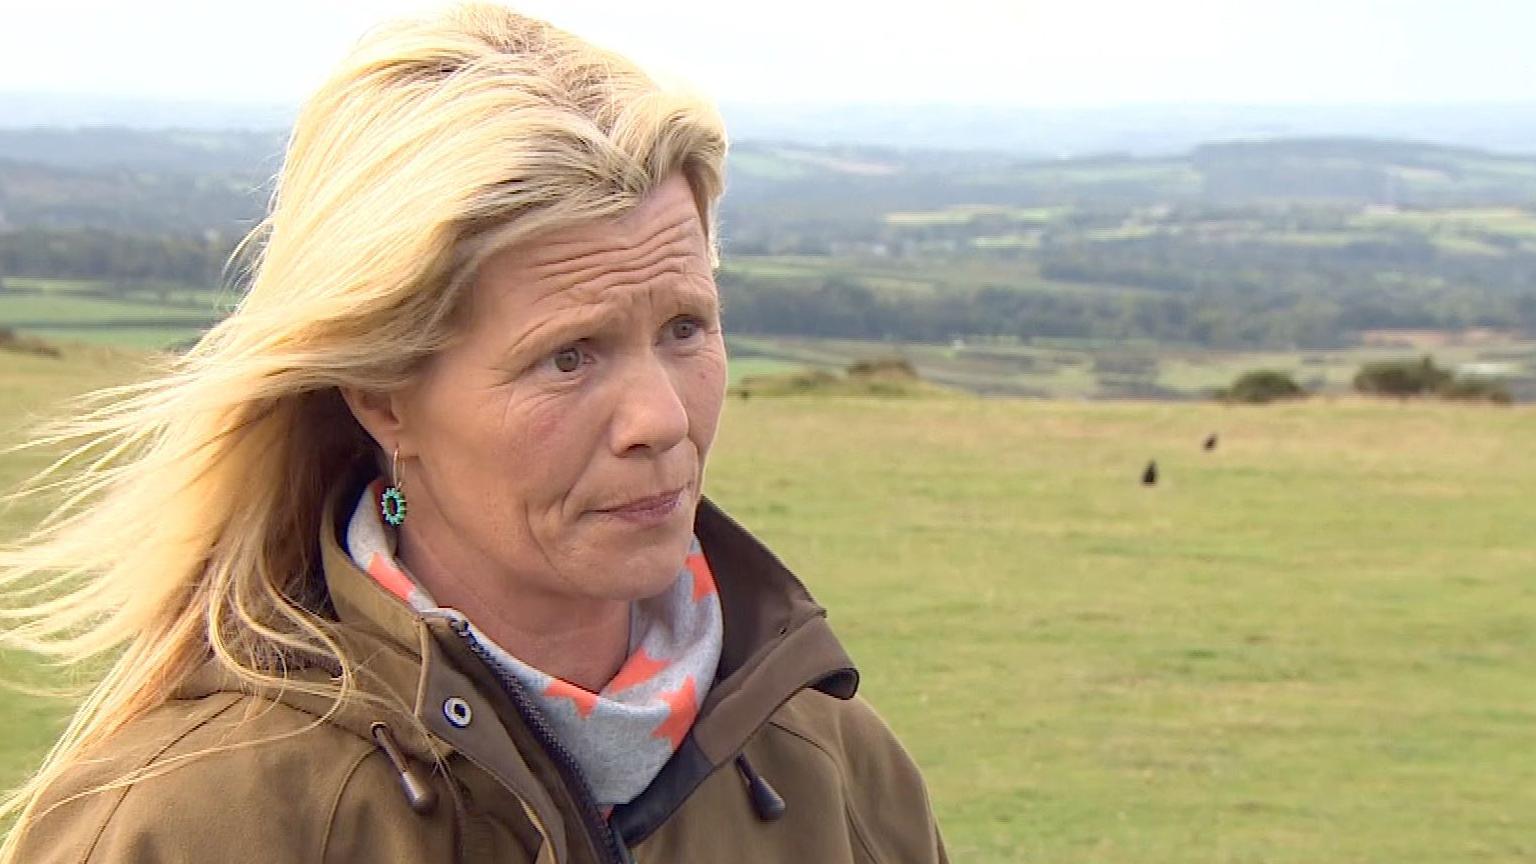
(1311, 644)
(165, 318)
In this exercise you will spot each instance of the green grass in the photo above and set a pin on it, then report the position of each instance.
(746, 367)
(1311, 645)
(143, 338)
(31, 388)
(141, 318)
(65, 309)
(175, 294)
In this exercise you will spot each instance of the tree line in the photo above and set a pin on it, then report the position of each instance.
(1218, 316)
(114, 258)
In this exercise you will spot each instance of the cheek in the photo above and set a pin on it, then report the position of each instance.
(550, 446)
(704, 397)
(541, 425)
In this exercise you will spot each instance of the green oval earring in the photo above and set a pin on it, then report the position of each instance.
(392, 502)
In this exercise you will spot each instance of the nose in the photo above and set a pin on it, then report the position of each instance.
(650, 415)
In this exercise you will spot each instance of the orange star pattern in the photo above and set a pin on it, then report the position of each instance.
(584, 699)
(682, 709)
(703, 580)
(387, 574)
(638, 669)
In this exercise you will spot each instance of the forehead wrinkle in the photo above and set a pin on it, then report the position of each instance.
(597, 281)
(580, 260)
(633, 227)
(621, 291)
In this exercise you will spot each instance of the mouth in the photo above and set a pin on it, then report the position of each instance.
(651, 508)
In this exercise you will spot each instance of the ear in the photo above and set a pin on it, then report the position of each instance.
(382, 415)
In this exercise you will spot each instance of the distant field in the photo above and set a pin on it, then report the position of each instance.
(163, 316)
(139, 317)
(67, 312)
(1311, 645)
(27, 284)
(1503, 221)
(961, 214)
(20, 309)
(1469, 229)
(743, 367)
(1088, 370)
(941, 275)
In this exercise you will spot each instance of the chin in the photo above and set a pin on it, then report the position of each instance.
(651, 569)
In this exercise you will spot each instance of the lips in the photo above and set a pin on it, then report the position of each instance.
(649, 505)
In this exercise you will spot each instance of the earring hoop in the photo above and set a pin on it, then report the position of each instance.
(392, 502)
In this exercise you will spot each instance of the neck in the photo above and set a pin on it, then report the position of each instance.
(582, 640)
(587, 653)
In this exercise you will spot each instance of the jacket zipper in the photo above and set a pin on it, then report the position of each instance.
(604, 837)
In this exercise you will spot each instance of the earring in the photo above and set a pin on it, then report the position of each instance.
(392, 502)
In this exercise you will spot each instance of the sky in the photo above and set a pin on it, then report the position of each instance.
(1024, 52)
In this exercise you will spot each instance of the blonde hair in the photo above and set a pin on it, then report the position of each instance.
(191, 504)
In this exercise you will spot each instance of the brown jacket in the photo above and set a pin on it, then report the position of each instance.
(367, 784)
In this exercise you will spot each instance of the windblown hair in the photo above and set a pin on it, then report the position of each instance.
(190, 505)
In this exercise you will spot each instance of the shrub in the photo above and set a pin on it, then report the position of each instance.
(888, 379)
(1402, 378)
(883, 367)
(1477, 390)
(21, 343)
(1259, 386)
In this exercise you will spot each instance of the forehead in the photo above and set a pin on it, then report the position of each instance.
(663, 236)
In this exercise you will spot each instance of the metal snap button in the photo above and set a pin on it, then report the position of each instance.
(457, 711)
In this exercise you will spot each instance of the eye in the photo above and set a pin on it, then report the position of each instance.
(567, 359)
(685, 328)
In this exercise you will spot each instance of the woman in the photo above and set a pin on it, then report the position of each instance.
(408, 559)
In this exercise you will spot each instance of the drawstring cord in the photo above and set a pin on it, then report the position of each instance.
(421, 796)
(767, 802)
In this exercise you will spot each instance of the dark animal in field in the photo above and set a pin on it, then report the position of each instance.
(1149, 476)
(1210, 443)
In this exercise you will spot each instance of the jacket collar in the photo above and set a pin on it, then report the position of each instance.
(776, 643)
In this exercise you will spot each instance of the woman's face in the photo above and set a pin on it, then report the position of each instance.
(559, 445)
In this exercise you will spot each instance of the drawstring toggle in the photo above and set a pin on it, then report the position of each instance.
(421, 796)
(768, 804)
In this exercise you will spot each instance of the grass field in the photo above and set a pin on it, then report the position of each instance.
(1073, 370)
(31, 386)
(148, 316)
(1313, 644)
